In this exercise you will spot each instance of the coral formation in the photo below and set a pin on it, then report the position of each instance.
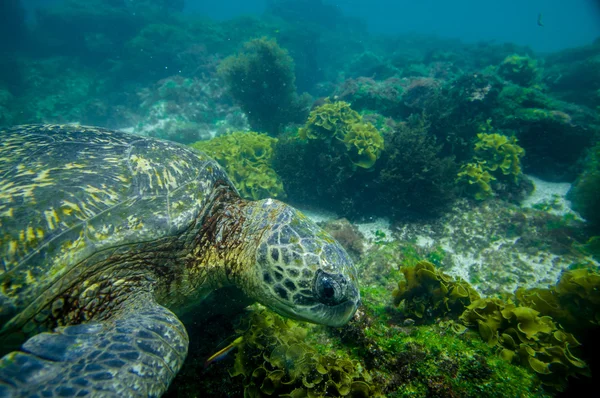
(554, 134)
(246, 156)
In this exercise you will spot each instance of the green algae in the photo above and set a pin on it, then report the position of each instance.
(246, 156)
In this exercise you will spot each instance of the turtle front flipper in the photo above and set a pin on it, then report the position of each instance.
(137, 352)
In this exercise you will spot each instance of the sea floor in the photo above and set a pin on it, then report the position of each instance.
(495, 245)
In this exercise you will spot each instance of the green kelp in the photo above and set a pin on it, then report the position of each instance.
(525, 337)
(331, 162)
(519, 334)
(574, 301)
(427, 293)
(478, 178)
(275, 360)
(407, 359)
(246, 156)
(333, 122)
(496, 157)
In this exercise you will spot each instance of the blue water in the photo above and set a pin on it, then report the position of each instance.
(566, 23)
(460, 137)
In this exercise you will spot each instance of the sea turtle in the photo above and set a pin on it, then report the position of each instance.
(106, 237)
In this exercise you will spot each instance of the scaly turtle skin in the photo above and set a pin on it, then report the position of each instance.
(106, 237)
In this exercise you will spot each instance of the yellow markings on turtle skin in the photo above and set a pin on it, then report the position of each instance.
(12, 248)
(30, 234)
(169, 179)
(51, 218)
(158, 179)
(134, 223)
(43, 176)
(27, 191)
(142, 165)
(86, 210)
(110, 199)
(174, 167)
(22, 236)
(29, 278)
(39, 233)
(71, 207)
(70, 166)
(8, 213)
(122, 178)
(22, 172)
(6, 187)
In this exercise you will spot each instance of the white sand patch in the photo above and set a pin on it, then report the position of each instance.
(424, 241)
(378, 230)
(318, 215)
(463, 264)
(551, 196)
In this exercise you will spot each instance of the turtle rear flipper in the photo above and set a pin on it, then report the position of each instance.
(136, 353)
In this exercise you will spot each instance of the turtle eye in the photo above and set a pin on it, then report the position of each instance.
(328, 289)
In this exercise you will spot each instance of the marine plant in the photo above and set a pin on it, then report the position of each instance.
(411, 359)
(496, 157)
(427, 293)
(246, 156)
(555, 134)
(328, 121)
(478, 180)
(457, 110)
(364, 144)
(500, 154)
(585, 192)
(519, 333)
(366, 93)
(416, 177)
(275, 360)
(521, 70)
(525, 337)
(261, 79)
(574, 301)
(338, 122)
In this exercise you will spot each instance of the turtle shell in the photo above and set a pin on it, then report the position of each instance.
(69, 192)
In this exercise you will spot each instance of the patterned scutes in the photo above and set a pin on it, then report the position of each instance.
(69, 191)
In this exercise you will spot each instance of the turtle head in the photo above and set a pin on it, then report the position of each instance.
(300, 271)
